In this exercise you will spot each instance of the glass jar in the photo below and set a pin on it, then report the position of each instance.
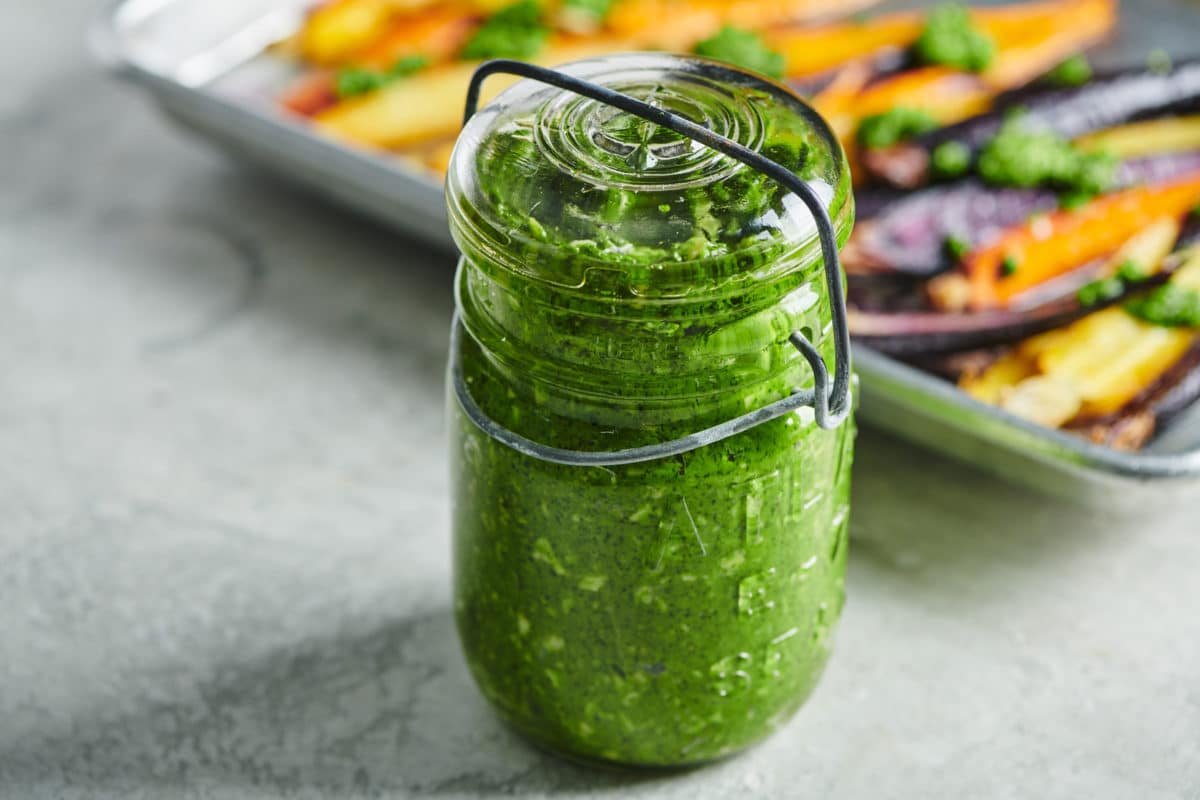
(622, 285)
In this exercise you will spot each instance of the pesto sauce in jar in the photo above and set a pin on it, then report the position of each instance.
(622, 286)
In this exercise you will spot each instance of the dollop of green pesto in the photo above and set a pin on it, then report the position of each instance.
(1020, 156)
(956, 248)
(1075, 71)
(742, 48)
(894, 125)
(1100, 291)
(353, 81)
(515, 31)
(950, 160)
(950, 38)
(1159, 60)
(1103, 290)
(596, 10)
(673, 611)
(1168, 306)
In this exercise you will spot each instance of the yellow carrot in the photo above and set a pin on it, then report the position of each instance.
(1151, 137)
(340, 27)
(429, 105)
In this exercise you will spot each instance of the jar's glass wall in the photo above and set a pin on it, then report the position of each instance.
(656, 614)
(674, 611)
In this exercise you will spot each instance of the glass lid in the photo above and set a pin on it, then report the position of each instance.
(554, 185)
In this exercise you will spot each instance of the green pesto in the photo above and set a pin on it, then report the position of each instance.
(1100, 290)
(353, 81)
(745, 49)
(1159, 60)
(594, 9)
(1075, 71)
(515, 31)
(1169, 306)
(663, 613)
(1020, 156)
(894, 125)
(950, 38)
(956, 247)
(950, 160)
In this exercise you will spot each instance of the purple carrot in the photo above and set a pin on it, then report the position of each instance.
(920, 333)
(906, 233)
(909, 235)
(1103, 102)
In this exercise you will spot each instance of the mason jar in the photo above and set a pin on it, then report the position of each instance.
(622, 286)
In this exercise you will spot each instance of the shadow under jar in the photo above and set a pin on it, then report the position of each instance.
(622, 285)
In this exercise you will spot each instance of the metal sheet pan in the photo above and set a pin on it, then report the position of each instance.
(204, 62)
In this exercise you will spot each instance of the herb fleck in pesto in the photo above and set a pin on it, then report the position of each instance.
(1168, 306)
(596, 10)
(950, 160)
(1100, 291)
(353, 81)
(1075, 71)
(516, 31)
(1020, 156)
(744, 49)
(890, 127)
(1131, 271)
(1159, 60)
(956, 247)
(950, 38)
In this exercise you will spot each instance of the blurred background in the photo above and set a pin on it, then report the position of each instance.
(224, 557)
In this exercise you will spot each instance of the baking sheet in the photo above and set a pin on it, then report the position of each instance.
(203, 61)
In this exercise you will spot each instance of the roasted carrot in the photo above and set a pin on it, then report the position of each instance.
(429, 106)
(677, 24)
(1027, 52)
(437, 34)
(835, 102)
(950, 96)
(1057, 243)
(312, 93)
(945, 94)
(1151, 137)
(340, 27)
(809, 51)
(1093, 368)
(1114, 358)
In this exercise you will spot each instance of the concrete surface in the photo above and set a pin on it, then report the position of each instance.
(223, 525)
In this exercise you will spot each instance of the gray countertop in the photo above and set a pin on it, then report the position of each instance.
(224, 555)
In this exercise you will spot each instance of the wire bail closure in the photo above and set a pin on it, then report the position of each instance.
(830, 400)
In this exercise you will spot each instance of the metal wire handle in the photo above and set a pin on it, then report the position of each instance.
(830, 403)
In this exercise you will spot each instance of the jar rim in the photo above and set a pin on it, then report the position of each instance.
(485, 235)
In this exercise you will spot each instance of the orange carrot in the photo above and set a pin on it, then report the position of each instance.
(1062, 241)
(437, 34)
(1029, 51)
(809, 51)
(945, 94)
(677, 24)
(812, 50)
(311, 94)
